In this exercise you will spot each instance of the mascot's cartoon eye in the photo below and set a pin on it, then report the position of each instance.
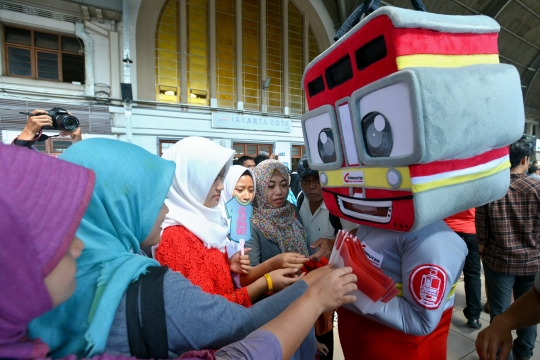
(322, 138)
(377, 133)
(387, 124)
(326, 146)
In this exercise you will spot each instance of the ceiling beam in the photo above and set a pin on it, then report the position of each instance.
(515, 62)
(502, 27)
(532, 110)
(528, 8)
(529, 76)
(495, 7)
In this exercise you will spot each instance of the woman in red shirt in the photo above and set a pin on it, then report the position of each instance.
(194, 234)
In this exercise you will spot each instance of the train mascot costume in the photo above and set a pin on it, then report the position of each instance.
(410, 119)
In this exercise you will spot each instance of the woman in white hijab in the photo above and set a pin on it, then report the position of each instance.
(194, 234)
(240, 182)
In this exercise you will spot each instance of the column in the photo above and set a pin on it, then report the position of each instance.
(183, 51)
(305, 50)
(262, 18)
(285, 52)
(239, 72)
(212, 51)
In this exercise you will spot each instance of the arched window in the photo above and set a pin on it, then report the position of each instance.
(296, 63)
(225, 54)
(197, 53)
(167, 59)
(251, 55)
(210, 72)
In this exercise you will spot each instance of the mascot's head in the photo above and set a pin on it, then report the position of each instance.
(411, 118)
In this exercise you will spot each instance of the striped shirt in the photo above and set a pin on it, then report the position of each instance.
(509, 228)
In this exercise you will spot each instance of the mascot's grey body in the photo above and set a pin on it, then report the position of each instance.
(411, 117)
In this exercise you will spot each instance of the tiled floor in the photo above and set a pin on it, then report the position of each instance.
(461, 338)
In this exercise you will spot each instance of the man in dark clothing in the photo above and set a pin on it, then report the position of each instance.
(508, 237)
(246, 161)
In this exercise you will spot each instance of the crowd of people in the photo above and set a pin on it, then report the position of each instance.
(124, 303)
(89, 290)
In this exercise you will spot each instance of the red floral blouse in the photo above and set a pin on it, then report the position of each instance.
(184, 252)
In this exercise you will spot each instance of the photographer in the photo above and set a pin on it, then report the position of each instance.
(33, 130)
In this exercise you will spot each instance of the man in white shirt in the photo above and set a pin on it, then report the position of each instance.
(321, 226)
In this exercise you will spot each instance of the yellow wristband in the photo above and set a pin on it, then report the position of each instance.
(269, 282)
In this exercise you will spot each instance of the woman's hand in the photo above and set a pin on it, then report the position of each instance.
(331, 289)
(282, 278)
(288, 260)
(240, 264)
(316, 274)
(75, 134)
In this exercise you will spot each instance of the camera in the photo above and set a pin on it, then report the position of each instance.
(61, 120)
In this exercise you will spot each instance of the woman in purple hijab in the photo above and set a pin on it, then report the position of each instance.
(42, 201)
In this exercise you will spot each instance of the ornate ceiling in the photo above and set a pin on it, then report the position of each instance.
(519, 38)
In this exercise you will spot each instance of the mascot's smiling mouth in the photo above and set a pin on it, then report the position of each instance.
(376, 211)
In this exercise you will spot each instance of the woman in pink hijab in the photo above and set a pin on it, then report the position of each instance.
(42, 201)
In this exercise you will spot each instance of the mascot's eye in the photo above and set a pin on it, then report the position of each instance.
(387, 123)
(322, 138)
(326, 146)
(377, 133)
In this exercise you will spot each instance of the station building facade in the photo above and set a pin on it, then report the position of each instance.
(227, 70)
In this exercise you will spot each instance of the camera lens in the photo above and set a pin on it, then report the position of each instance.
(377, 134)
(70, 123)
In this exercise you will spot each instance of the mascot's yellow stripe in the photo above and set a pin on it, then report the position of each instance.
(459, 179)
(452, 290)
(433, 60)
(374, 177)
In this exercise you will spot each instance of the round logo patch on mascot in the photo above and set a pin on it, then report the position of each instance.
(427, 284)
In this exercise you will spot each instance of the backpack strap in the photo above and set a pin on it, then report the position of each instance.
(335, 222)
(300, 200)
(145, 314)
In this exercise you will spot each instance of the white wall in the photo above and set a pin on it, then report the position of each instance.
(149, 125)
(102, 58)
(173, 122)
(149, 143)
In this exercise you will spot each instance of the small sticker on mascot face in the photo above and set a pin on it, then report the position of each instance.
(353, 177)
(427, 284)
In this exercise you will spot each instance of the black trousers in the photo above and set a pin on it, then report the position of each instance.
(328, 340)
(473, 283)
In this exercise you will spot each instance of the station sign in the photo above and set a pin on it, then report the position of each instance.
(223, 120)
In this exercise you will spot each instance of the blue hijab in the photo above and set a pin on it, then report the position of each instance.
(131, 186)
